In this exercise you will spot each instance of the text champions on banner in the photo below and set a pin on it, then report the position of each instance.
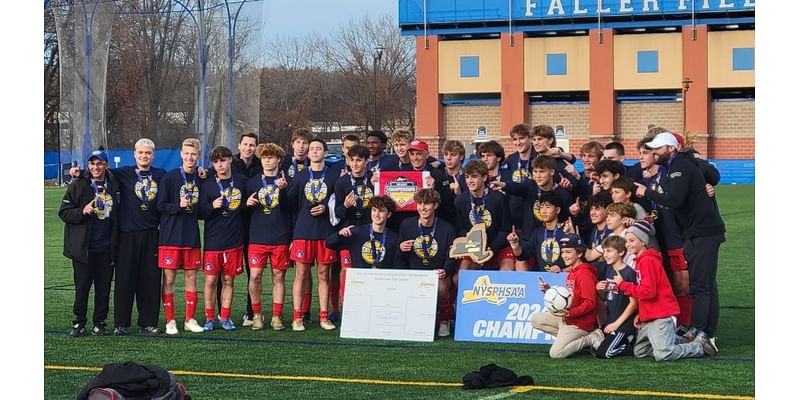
(497, 306)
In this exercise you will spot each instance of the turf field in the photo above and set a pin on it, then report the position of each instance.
(317, 364)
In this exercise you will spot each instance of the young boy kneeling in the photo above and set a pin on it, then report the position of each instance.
(576, 327)
(657, 304)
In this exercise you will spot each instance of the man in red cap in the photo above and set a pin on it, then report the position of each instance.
(438, 180)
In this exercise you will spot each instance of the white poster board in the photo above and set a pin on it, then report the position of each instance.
(389, 304)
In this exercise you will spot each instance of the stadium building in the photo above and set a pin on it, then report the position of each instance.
(485, 65)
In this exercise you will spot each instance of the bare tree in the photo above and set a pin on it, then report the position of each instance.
(51, 84)
(377, 84)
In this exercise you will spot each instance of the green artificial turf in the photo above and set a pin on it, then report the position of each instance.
(318, 353)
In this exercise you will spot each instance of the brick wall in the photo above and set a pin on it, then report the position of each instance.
(460, 123)
(574, 117)
(633, 118)
(733, 125)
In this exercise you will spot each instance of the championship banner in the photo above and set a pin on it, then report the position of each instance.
(496, 306)
(401, 187)
(389, 304)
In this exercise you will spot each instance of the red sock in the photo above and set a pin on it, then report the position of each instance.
(323, 315)
(277, 310)
(191, 304)
(297, 314)
(685, 304)
(209, 314)
(256, 308)
(169, 306)
(334, 299)
(443, 310)
(341, 284)
(225, 313)
(306, 302)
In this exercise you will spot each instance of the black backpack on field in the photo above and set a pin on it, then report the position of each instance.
(132, 381)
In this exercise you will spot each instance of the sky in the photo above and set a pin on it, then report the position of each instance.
(297, 18)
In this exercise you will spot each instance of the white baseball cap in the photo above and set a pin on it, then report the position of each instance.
(661, 140)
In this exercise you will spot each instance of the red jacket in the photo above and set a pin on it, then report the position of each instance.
(652, 288)
(582, 281)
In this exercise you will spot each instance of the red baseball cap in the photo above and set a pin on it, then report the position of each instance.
(679, 138)
(418, 145)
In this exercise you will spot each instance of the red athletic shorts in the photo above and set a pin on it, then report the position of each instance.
(504, 254)
(676, 260)
(228, 261)
(175, 257)
(278, 256)
(306, 251)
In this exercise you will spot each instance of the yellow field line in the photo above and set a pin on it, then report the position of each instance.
(517, 389)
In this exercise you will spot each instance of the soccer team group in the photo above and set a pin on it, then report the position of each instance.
(639, 244)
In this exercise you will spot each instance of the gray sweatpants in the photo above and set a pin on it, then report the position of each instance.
(569, 338)
(657, 338)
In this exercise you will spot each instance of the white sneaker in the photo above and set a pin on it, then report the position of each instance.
(172, 328)
(192, 326)
(444, 329)
(246, 321)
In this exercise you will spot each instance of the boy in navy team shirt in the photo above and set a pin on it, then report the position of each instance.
(353, 190)
(489, 207)
(618, 321)
(270, 233)
(425, 243)
(222, 206)
(541, 244)
(371, 245)
(179, 238)
(309, 193)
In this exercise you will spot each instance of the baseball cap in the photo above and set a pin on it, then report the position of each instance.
(661, 140)
(99, 154)
(418, 145)
(680, 140)
(642, 230)
(571, 241)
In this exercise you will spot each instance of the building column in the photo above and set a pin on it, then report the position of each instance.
(695, 67)
(602, 100)
(430, 113)
(513, 99)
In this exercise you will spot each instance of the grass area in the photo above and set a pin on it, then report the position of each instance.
(318, 353)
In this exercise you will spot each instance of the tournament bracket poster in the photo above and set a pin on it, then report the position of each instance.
(496, 306)
(401, 187)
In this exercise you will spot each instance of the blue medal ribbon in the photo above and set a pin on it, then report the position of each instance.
(269, 188)
(144, 184)
(316, 184)
(425, 247)
(372, 244)
(548, 250)
(359, 191)
(477, 209)
(223, 192)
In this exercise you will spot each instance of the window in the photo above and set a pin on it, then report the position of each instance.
(647, 62)
(470, 66)
(557, 64)
(743, 59)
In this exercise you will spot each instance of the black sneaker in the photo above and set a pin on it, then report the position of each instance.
(120, 331)
(151, 330)
(100, 330)
(307, 318)
(77, 330)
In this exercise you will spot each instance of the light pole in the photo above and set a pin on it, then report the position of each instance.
(686, 82)
(376, 62)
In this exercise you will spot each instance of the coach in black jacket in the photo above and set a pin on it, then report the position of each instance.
(90, 239)
(702, 228)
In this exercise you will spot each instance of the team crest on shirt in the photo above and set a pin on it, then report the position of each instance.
(300, 254)
(254, 261)
(519, 175)
(270, 191)
(366, 252)
(317, 184)
(208, 267)
(234, 197)
(364, 193)
(485, 217)
(346, 260)
(146, 190)
(190, 190)
(102, 205)
(433, 246)
(168, 260)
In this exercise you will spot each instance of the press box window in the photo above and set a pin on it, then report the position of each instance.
(647, 62)
(470, 66)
